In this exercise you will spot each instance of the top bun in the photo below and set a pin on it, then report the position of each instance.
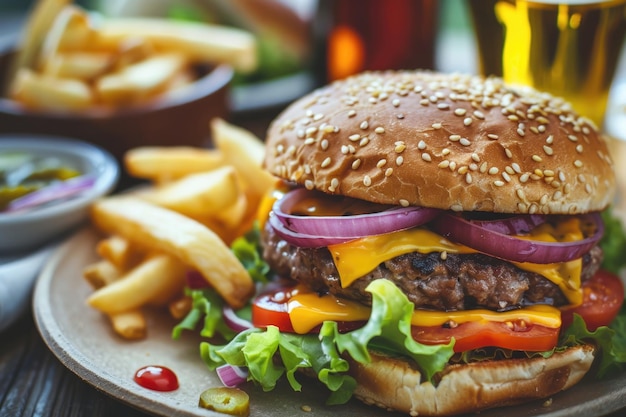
(447, 141)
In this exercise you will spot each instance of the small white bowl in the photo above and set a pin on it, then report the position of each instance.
(27, 230)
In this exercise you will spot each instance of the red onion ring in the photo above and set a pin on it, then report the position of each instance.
(515, 225)
(232, 376)
(233, 321)
(511, 248)
(301, 239)
(327, 230)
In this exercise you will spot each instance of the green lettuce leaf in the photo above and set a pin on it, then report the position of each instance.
(388, 330)
(249, 252)
(613, 243)
(208, 304)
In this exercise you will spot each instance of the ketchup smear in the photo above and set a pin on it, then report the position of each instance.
(157, 378)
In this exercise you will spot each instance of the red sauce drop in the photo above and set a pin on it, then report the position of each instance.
(157, 378)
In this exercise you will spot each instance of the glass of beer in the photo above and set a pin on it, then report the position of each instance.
(569, 48)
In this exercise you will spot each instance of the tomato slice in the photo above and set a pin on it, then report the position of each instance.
(271, 309)
(474, 335)
(603, 296)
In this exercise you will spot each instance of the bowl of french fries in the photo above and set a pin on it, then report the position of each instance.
(119, 83)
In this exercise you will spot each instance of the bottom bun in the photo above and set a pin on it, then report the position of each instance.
(394, 384)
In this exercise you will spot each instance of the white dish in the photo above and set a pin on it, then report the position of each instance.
(83, 341)
(26, 231)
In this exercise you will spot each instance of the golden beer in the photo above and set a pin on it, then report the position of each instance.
(568, 48)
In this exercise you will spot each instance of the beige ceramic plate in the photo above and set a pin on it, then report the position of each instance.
(82, 340)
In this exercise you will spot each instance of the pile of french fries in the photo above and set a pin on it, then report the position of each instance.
(83, 63)
(196, 203)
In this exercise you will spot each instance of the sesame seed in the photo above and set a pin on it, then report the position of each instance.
(516, 167)
(513, 117)
(483, 167)
(328, 129)
(423, 102)
(498, 183)
(479, 114)
(326, 162)
(426, 157)
(379, 130)
(463, 170)
(396, 102)
(456, 207)
(381, 163)
(538, 173)
(467, 121)
(537, 158)
(509, 170)
(318, 116)
(324, 144)
(352, 113)
(572, 138)
(475, 157)
(579, 148)
(364, 125)
(421, 145)
(524, 177)
(400, 116)
(506, 176)
(452, 165)
(364, 141)
(459, 112)
(436, 125)
(578, 163)
(309, 141)
(454, 138)
(445, 151)
(465, 142)
(354, 137)
(493, 170)
(520, 194)
(388, 172)
(443, 106)
(588, 188)
(521, 132)
(344, 149)
(403, 202)
(367, 181)
(508, 153)
(356, 164)
(492, 136)
(443, 255)
(308, 184)
(334, 183)
(468, 178)
(550, 140)
(548, 173)
(548, 150)
(444, 164)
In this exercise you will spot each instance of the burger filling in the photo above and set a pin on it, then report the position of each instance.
(458, 282)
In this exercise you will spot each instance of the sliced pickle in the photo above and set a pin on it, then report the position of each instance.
(226, 400)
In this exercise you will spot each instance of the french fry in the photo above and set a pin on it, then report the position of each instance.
(245, 152)
(70, 31)
(130, 324)
(101, 273)
(42, 92)
(119, 252)
(200, 41)
(84, 66)
(199, 195)
(169, 163)
(141, 80)
(35, 30)
(179, 307)
(152, 280)
(172, 233)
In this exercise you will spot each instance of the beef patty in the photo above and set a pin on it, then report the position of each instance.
(459, 282)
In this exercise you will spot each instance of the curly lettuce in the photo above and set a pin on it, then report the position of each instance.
(388, 329)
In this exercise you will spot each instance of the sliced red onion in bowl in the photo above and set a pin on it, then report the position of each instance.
(232, 376)
(312, 231)
(54, 192)
(512, 248)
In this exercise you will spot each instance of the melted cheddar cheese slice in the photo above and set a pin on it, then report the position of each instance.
(356, 258)
(308, 310)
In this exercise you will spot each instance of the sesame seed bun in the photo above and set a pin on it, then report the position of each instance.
(446, 141)
(396, 385)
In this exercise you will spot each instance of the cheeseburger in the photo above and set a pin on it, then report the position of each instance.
(434, 240)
